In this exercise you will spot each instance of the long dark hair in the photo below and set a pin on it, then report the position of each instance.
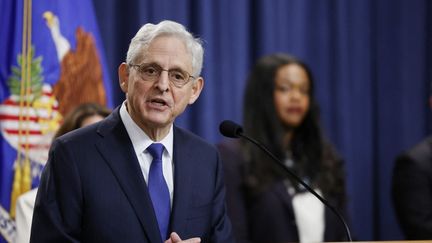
(314, 158)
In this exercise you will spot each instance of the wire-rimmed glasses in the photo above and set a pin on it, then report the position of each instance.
(152, 72)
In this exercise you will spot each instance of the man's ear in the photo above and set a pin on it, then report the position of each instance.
(123, 73)
(197, 87)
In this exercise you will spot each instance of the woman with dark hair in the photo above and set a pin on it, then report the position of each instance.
(280, 111)
(83, 115)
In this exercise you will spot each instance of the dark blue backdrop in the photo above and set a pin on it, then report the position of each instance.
(371, 59)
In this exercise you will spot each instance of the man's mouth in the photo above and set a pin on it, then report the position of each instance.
(158, 102)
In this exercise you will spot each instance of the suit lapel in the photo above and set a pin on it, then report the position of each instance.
(119, 154)
(281, 191)
(183, 171)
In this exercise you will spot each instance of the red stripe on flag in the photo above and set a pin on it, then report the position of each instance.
(23, 132)
(16, 118)
(17, 104)
(35, 146)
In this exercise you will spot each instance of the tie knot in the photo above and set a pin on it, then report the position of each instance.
(156, 150)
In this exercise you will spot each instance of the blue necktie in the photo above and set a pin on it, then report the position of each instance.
(158, 189)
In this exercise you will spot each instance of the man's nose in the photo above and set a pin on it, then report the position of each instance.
(163, 81)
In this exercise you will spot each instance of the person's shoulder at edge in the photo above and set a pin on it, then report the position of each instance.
(184, 135)
(420, 150)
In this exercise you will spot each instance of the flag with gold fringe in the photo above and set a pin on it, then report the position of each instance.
(51, 60)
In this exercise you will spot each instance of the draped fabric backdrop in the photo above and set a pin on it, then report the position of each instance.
(371, 61)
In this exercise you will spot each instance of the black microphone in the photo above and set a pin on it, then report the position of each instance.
(230, 129)
(234, 130)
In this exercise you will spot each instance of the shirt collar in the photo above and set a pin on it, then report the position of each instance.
(140, 140)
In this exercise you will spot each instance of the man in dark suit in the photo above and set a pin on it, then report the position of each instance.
(136, 177)
(412, 191)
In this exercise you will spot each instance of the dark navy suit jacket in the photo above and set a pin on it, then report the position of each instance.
(412, 190)
(92, 190)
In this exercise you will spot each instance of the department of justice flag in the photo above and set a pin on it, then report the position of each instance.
(51, 60)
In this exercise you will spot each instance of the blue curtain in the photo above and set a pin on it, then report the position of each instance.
(371, 60)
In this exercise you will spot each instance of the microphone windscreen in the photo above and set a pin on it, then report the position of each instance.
(230, 129)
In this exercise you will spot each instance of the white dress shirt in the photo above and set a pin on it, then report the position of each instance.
(308, 210)
(141, 141)
(309, 215)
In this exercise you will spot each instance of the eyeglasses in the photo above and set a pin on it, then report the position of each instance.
(152, 72)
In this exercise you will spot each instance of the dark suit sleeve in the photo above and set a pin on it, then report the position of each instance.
(57, 212)
(272, 216)
(222, 232)
(412, 197)
(235, 196)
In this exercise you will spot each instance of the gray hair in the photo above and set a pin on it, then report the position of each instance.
(148, 32)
